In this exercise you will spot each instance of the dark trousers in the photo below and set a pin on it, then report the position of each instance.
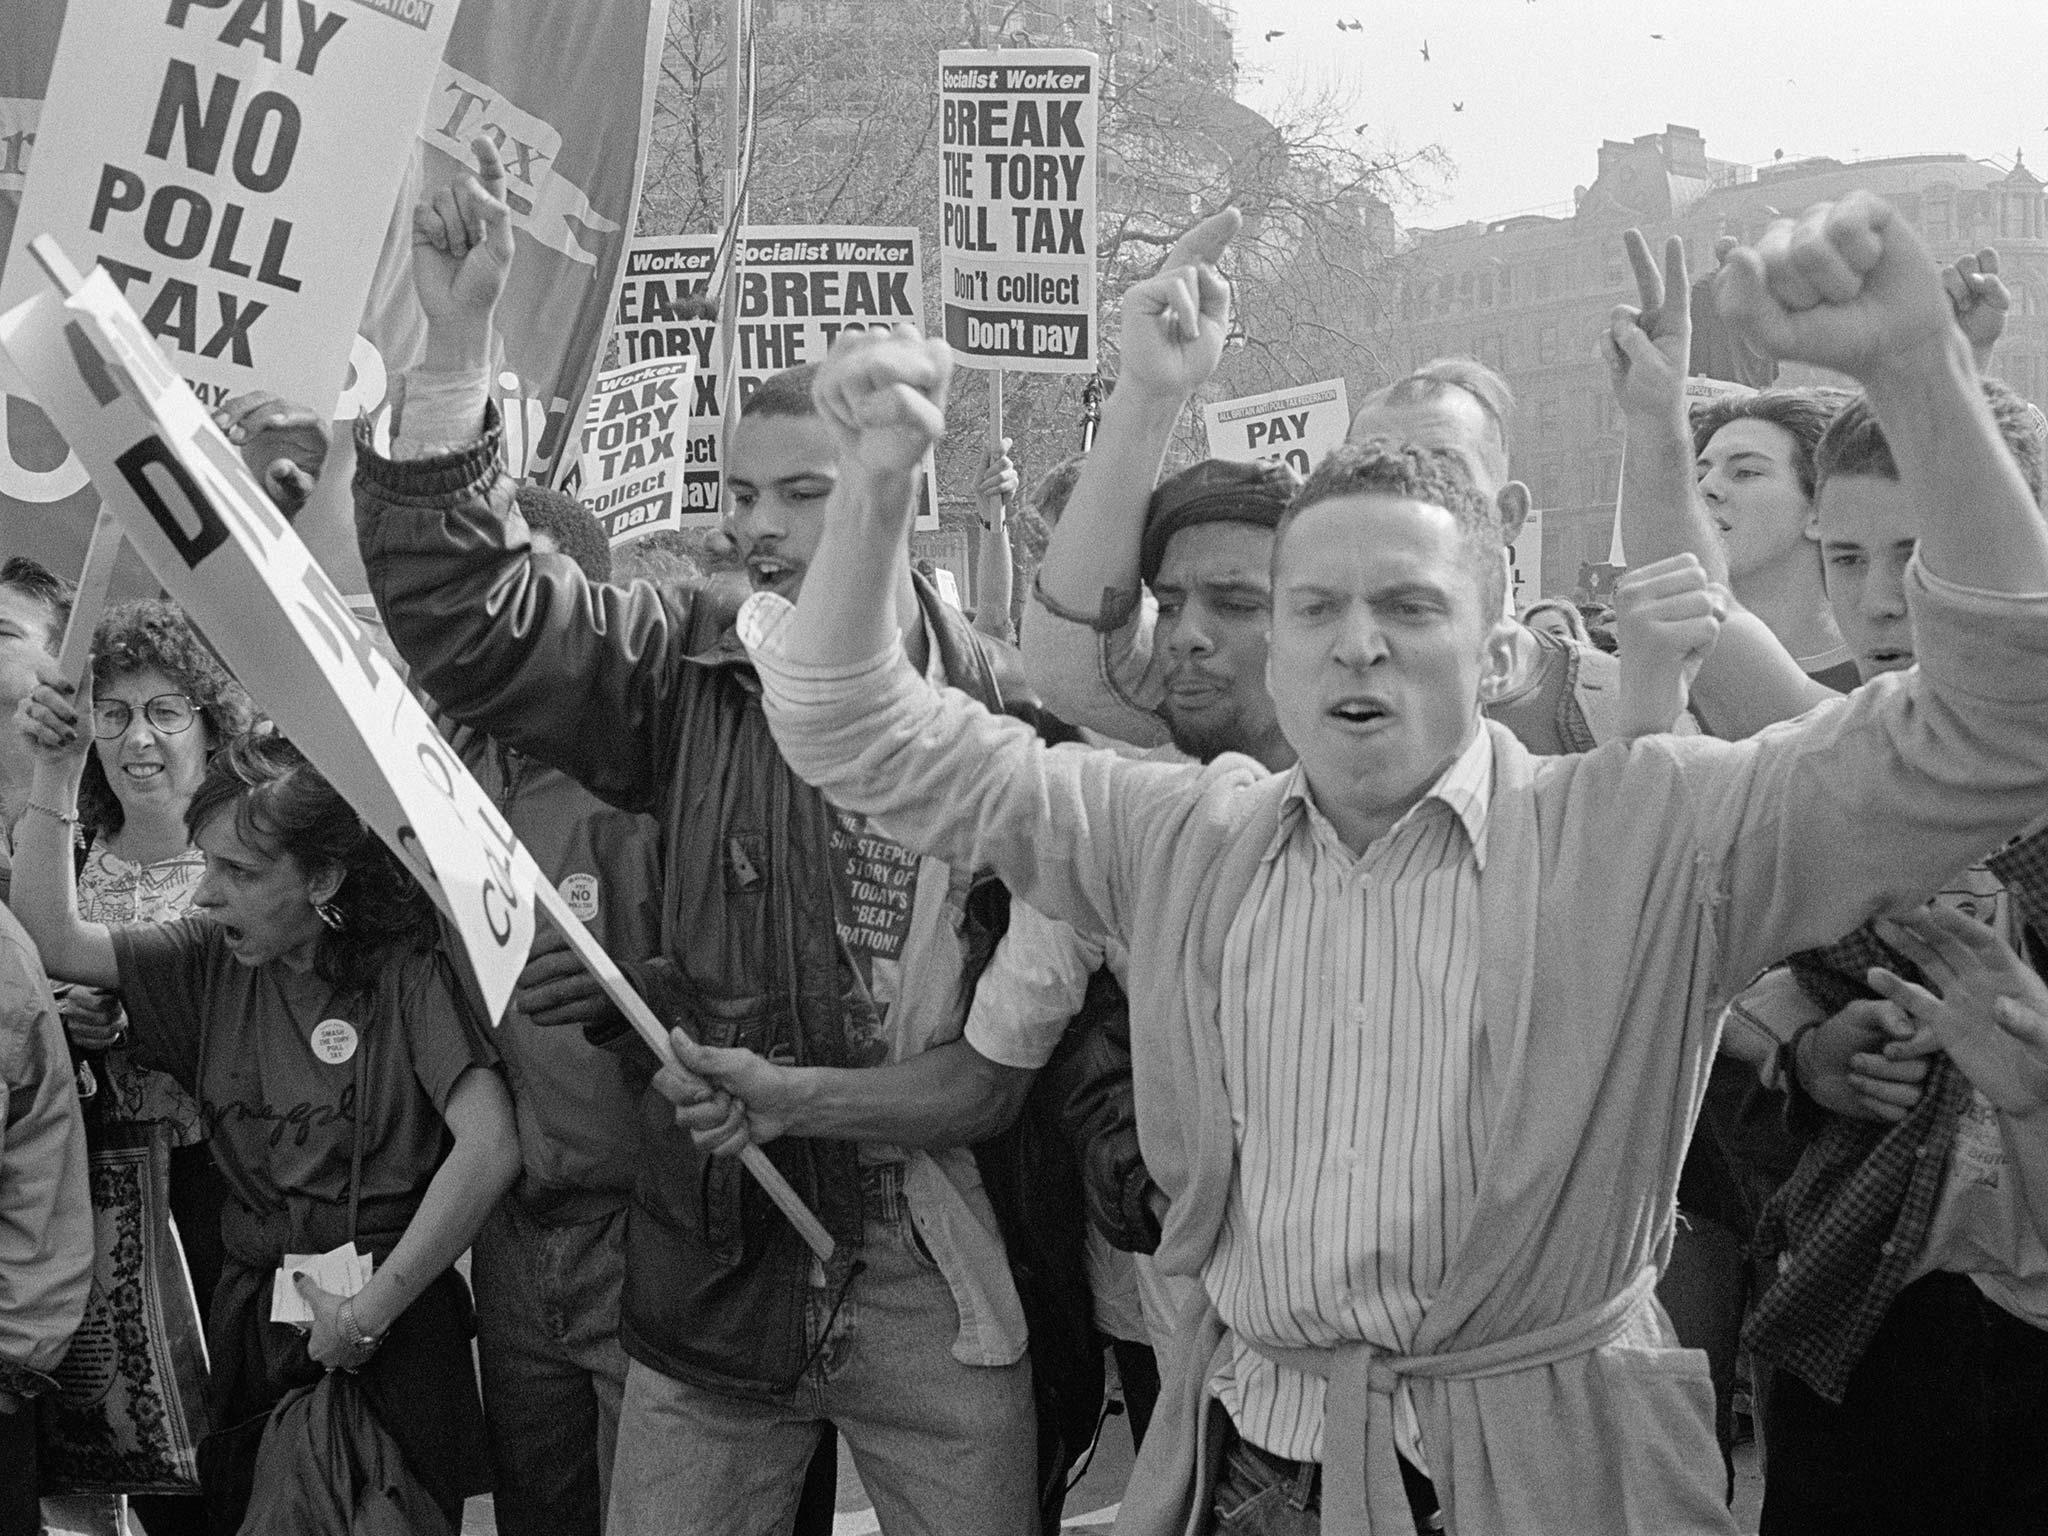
(1944, 1428)
(1137, 1371)
(21, 1511)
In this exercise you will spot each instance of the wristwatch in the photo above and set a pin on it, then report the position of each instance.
(361, 1345)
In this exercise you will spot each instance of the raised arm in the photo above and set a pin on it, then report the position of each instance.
(1946, 760)
(1749, 680)
(518, 644)
(1851, 287)
(1981, 300)
(1088, 640)
(58, 725)
(1646, 347)
(935, 769)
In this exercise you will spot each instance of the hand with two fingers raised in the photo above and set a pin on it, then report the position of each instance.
(1647, 346)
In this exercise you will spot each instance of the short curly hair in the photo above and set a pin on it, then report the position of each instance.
(155, 636)
(1380, 466)
(282, 804)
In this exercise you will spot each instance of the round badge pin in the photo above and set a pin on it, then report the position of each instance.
(334, 1041)
(579, 892)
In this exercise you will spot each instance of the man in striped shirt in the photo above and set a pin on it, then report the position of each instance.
(1432, 1188)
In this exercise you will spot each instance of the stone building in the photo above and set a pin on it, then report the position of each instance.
(1529, 295)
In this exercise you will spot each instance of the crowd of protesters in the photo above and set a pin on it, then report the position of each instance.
(1442, 1059)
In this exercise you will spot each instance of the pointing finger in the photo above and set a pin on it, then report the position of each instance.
(1205, 242)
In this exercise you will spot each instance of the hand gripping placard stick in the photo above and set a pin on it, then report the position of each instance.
(648, 1027)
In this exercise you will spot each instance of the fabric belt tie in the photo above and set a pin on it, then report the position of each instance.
(1362, 1488)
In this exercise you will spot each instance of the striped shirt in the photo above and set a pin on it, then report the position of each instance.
(1350, 1000)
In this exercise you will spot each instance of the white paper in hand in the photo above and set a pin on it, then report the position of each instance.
(342, 1272)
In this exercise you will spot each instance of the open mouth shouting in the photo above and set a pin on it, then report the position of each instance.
(772, 574)
(1360, 712)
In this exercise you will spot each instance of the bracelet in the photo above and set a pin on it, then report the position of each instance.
(360, 1344)
(69, 819)
(1788, 1066)
(1116, 611)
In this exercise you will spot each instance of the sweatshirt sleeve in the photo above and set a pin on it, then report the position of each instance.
(1063, 826)
(1102, 681)
(1865, 807)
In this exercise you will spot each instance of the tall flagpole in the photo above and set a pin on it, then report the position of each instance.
(738, 132)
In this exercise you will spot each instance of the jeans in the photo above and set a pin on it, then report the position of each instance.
(1258, 1494)
(547, 1314)
(944, 1449)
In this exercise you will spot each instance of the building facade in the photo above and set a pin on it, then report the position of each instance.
(1530, 295)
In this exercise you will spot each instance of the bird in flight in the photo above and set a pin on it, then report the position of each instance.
(1353, 25)
(1656, 37)
(1457, 106)
(1361, 128)
(1271, 35)
(1425, 50)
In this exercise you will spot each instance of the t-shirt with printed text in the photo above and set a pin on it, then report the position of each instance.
(270, 1053)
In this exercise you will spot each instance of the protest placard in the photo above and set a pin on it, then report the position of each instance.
(662, 308)
(233, 168)
(205, 528)
(634, 432)
(1295, 426)
(1017, 207)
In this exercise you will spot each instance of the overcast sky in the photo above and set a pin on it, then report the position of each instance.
(1544, 81)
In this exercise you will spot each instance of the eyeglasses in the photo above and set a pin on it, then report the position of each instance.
(167, 712)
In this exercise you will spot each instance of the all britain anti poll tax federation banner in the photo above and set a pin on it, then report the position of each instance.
(565, 91)
(196, 515)
(1018, 151)
(1295, 426)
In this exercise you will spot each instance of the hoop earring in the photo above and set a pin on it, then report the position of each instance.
(331, 915)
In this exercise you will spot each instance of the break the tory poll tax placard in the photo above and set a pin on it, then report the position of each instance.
(233, 165)
(1017, 135)
(800, 287)
(635, 432)
(192, 510)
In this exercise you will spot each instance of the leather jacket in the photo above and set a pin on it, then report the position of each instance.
(646, 698)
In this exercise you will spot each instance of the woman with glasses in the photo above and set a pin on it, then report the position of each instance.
(352, 1096)
(164, 705)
